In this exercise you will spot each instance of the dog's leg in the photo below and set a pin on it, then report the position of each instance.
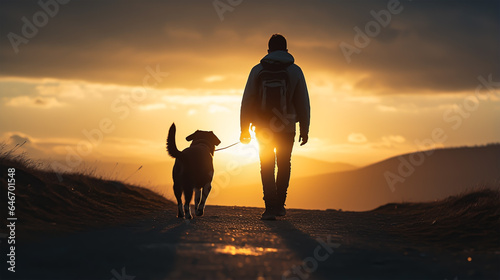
(198, 204)
(188, 194)
(197, 198)
(201, 207)
(178, 196)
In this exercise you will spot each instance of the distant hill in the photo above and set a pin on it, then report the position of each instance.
(301, 166)
(424, 176)
(244, 187)
(158, 175)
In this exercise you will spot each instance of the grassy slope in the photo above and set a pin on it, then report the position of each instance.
(471, 218)
(46, 205)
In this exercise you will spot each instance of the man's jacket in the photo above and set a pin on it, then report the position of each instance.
(298, 108)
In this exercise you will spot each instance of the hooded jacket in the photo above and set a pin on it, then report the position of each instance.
(298, 107)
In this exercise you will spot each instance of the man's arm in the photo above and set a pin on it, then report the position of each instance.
(247, 106)
(303, 108)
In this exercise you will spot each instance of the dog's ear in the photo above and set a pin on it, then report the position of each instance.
(193, 136)
(214, 139)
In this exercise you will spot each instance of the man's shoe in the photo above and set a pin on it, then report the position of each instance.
(269, 214)
(281, 211)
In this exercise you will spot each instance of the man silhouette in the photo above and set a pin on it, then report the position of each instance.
(274, 100)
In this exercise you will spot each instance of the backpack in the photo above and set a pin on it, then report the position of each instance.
(272, 96)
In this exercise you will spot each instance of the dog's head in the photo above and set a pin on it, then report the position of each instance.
(204, 137)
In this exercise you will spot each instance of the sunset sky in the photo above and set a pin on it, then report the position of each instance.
(103, 80)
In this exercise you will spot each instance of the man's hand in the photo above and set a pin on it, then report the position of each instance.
(303, 139)
(245, 137)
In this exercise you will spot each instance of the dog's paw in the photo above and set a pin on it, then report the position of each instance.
(199, 212)
(180, 211)
(187, 212)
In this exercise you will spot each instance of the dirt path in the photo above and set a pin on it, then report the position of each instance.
(232, 243)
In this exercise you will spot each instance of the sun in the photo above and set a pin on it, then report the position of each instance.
(245, 153)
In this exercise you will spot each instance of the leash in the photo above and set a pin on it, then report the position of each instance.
(220, 149)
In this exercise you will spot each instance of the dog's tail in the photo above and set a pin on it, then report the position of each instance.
(171, 146)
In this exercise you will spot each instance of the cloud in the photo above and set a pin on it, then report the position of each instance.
(389, 142)
(17, 139)
(66, 89)
(429, 46)
(201, 99)
(184, 34)
(357, 138)
(362, 99)
(214, 78)
(215, 108)
(18, 142)
(62, 149)
(34, 102)
(151, 107)
(394, 138)
(385, 108)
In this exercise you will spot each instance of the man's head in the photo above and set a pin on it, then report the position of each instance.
(277, 43)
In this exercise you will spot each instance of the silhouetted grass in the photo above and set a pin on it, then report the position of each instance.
(468, 220)
(45, 204)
